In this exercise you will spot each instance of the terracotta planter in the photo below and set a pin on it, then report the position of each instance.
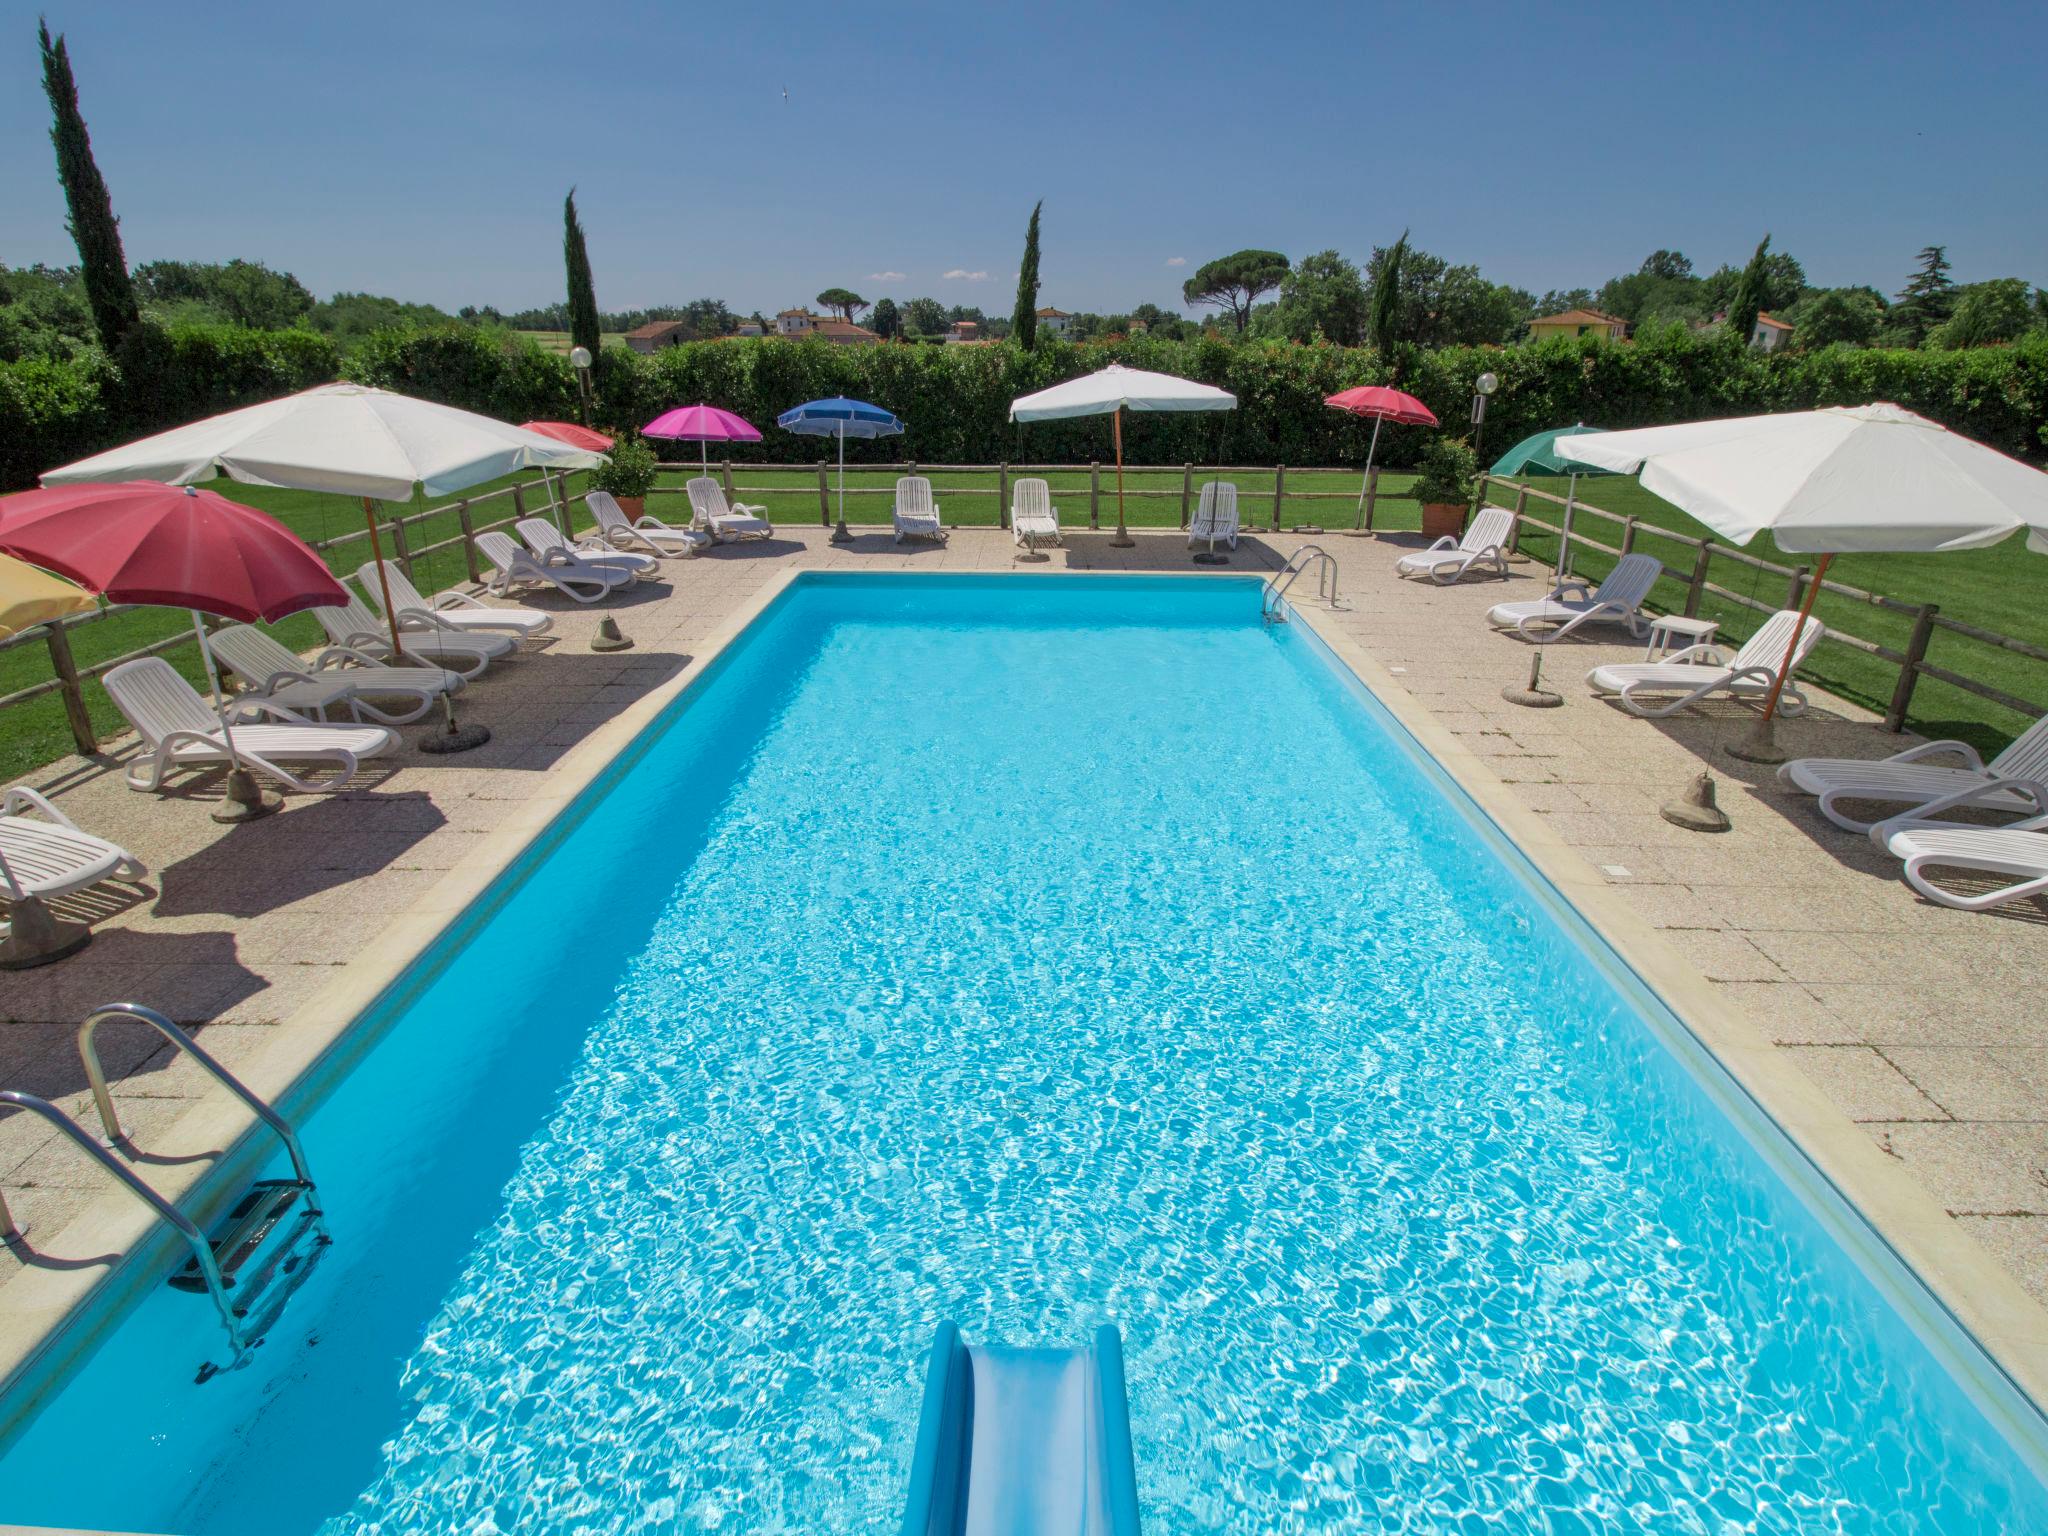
(1441, 519)
(635, 507)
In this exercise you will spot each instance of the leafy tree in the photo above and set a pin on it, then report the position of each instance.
(924, 317)
(1752, 294)
(1323, 296)
(1927, 299)
(1024, 318)
(584, 328)
(43, 313)
(244, 293)
(1385, 316)
(1987, 313)
(845, 300)
(1848, 316)
(1557, 300)
(1162, 323)
(1235, 281)
(94, 229)
(887, 321)
(349, 317)
(1665, 266)
(1438, 305)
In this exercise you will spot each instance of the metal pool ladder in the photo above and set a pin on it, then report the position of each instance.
(1309, 557)
(220, 1261)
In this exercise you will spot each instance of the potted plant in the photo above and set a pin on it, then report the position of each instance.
(1444, 486)
(629, 476)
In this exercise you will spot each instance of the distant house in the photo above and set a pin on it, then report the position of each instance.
(750, 328)
(657, 334)
(964, 330)
(1054, 321)
(1769, 333)
(795, 322)
(1579, 322)
(843, 333)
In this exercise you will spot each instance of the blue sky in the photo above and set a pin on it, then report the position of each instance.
(423, 149)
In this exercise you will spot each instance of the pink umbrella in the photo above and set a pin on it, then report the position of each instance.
(1381, 404)
(701, 424)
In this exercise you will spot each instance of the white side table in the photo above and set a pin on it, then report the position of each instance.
(1671, 632)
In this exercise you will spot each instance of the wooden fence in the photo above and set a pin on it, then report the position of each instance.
(1696, 568)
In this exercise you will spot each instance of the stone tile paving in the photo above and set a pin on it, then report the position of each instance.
(1923, 1024)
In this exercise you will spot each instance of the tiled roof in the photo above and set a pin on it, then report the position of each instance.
(1580, 317)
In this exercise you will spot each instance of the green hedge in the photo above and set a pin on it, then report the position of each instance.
(956, 399)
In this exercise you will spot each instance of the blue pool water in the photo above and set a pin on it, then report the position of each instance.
(1035, 952)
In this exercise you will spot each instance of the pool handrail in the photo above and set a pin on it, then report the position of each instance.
(1308, 556)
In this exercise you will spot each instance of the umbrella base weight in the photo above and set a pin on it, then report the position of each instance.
(246, 800)
(36, 938)
(1209, 557)
(1532, 698)
(1759, 746)
(456, 738)
(1123, 541)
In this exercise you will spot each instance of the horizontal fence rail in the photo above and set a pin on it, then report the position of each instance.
(1696, 571)
(1695, 566)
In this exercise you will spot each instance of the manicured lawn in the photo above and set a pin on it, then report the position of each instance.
(558, 341)
(2004, 588)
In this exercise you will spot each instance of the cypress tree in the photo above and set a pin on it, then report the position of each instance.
(1386, 300)
(95, 230)
(1751, 289)
(584, 329)
(1024, 321)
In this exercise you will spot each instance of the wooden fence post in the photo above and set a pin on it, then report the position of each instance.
(1003, 495)
(1187, 491)
(1696, 589)
(1628, 533)
(1515, 532)
(468, 540)
(725, 470)
(1279, 492)
(824, 495)
(66, 668)
(1909, 669)
(398, 545)
(1095, 494)
(1372, 495)
(1798, 586)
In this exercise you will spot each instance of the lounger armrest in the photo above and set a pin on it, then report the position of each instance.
(261, 706)
(1569, 585)
(454, 599)
(172, 740)
(293, 675)
(1975, 794)
(743, 510)
(358, 639)
(1446, 542)
(342, 656)
(1962, 749)
(21, 796)
(1708, 655)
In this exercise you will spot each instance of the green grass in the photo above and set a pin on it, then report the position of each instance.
(2002, 589)
(558, 341)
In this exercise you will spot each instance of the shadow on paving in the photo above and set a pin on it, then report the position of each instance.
(314, 844)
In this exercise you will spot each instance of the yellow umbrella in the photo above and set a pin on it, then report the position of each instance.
(29, 597)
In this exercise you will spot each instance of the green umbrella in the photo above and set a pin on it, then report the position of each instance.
(1537, 454)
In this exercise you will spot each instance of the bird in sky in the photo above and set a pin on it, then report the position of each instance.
(785, 93)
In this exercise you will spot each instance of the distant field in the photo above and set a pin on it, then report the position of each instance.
(558, 341)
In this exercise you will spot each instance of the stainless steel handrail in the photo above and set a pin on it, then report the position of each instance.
(202, 1251)
(111, 1119)
(1307, 557)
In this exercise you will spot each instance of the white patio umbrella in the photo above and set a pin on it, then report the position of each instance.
(1116, 389)
(349, 439)
(1843, 480)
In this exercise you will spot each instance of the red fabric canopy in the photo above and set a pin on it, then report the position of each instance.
(1387, 404)
(139, 541)
(568, 432)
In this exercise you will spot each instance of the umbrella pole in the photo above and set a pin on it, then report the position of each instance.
(398, 656)
(243, 798)
(1366, 484)
(1564, 532)
(1761, 744)
(839, 533)
(559, 497)
(1123, 538)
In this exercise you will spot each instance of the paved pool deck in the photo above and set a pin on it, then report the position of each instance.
(1921, 1025)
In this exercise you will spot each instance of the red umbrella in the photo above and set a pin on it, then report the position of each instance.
(139, 541)
(568, 432)
(1381, 404)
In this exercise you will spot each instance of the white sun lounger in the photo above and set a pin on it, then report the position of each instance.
(915, 514)
(449, 612)
(355, 628)
(513, 566)
(48, 855)
(179, 730)
(2019, 851)
(337, 676)
(550, 548)
(616, 532)
(1618, 600)
(1448, 559)
(1215, 515)
(2016, 779)
(1034, 520)
(1701, 670)
(724, 524)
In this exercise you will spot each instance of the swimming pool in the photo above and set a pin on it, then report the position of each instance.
(1034, 952)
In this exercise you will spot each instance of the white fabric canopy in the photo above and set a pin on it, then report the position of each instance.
(1842, 480)
(1119, 388)
(345, 438)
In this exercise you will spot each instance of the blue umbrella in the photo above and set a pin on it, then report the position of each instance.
(841, 418)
